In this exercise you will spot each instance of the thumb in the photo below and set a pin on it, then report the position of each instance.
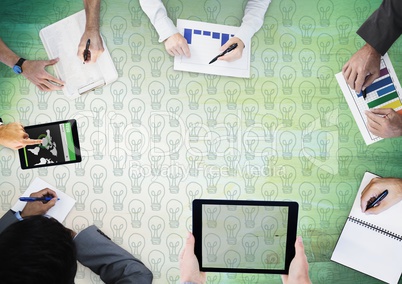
(382, 111)
(51, 61)
(299, 246)
(369, 79)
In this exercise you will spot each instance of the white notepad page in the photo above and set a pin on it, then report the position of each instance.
(59, 211)
(61, 40)
(367, 250)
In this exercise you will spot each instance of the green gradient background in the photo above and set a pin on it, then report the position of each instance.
(322, 210)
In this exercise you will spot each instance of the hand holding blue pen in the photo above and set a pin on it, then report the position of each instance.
(32, 199)
(377, 200)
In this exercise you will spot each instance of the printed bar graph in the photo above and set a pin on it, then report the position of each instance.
(384, 92)
(188, 35)
(382, 100)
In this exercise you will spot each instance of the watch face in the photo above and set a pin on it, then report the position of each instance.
(17, 69)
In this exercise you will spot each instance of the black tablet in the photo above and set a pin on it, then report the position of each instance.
(244, 236)
(59, 146)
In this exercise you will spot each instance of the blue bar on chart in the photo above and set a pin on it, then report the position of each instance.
(223, 37)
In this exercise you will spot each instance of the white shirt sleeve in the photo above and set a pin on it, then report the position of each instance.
(157, 14)
(253, 18)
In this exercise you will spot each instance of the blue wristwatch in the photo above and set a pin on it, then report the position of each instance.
(18, 66)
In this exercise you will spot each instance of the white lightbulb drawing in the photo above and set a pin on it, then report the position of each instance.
(156, 124)
(325, 142)
(119, 57)
(175, 108)
(136, 142)
(269, 91)
(156, 192)
(250, 110)
(156, 91)
(98, 175)
(232, 92)
(250, 245)
(250, 213)
(269, 157)
(119, 226)
(307, 92)
(174, 209)
(232, 227)
(288, 141)
(307, 26)
(269, 58)
(269, 225)
(194, 91)
(136, 43)
(174, 79)
(118, 25)
(137, 109)
(212, 109)
(212, 243)
(136, 74)
(118, 157)
(136, 208)
(288, 43)
(118, 191)
(287, 108)
(175, 175)
(212, 142)
(98, 209)
(307, 192)
(270, 125)
(232, 159)
(119, 91)
(307, 158)
(287, 74)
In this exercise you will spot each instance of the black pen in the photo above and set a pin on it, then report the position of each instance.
(377, 200)
(364, 92)
(229, 49)
(86, 51)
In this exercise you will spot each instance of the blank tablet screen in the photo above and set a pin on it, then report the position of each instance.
(244, 236)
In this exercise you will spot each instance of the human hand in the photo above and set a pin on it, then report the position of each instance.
(13, 136)
(235, 53)
(362, 68)
(95, 48)
(177, 45)
(34, 71)
(375, 188)
(189, 267)
(298, 270)
(39, 207)
(384, 122)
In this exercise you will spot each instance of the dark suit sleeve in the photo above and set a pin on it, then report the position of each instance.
(384, 26)
(110, 261)
(7, 219)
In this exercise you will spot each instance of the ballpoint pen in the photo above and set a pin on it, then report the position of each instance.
(229, 49)
(32, 199)
(86, 51)
(377, 200)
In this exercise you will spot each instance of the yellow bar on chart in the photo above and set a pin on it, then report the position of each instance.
(394, 105)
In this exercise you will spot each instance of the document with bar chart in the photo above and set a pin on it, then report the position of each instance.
(384, 92)
(204, 41)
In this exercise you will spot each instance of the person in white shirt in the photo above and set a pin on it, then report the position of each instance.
(176, 44)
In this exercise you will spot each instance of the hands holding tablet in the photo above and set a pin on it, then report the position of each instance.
(190, 271)
(13, 136)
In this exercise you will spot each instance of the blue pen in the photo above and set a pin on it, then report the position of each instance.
(32, 199)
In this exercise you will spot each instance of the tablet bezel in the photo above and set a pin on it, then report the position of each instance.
(77, 148)
(293, 208)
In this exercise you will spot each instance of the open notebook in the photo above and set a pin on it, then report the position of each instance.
(372, 244)
(61, 40)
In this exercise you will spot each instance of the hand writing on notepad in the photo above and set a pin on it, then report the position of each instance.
(384, 122)
(38, 207)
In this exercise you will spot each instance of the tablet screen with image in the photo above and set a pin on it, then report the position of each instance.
(59, 145)
(244, 236)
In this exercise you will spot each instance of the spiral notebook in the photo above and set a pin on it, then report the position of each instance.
(372, 244)
(61, 40)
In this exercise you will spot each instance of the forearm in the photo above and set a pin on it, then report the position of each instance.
(253, 18)
(92, 12)
(384, 26)
(157, 14)
(7, 56)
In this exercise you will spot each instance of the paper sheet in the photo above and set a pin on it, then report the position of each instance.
(384, 92)
(367, 250)
(204, 41)
(61, 40)
(59, 211)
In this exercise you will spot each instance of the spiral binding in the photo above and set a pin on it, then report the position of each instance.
(375, 228)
